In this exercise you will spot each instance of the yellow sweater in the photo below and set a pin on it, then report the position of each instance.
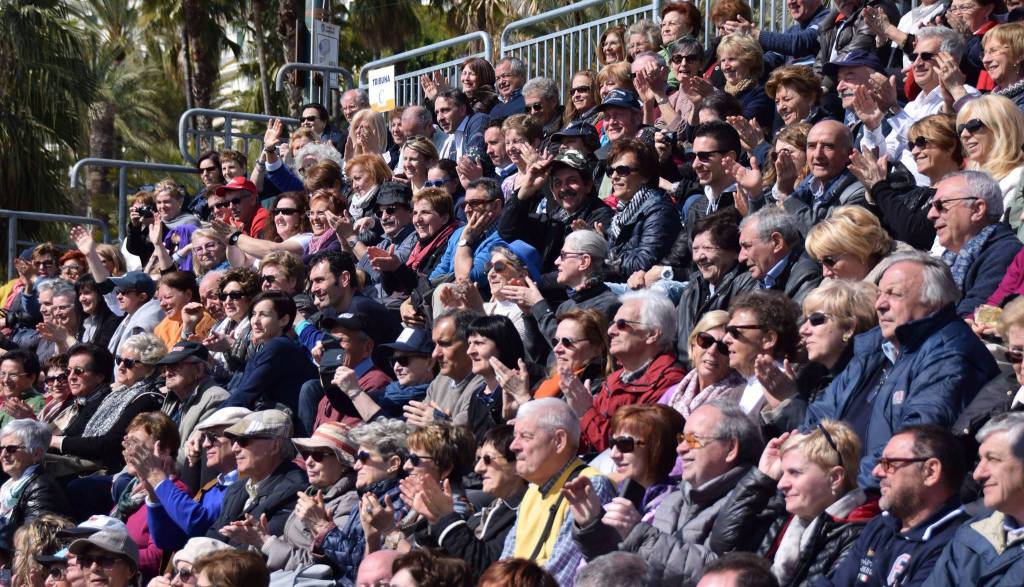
(534, 511)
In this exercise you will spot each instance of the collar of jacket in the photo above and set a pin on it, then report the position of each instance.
(341, 486)
(864, 509)
(913, 334)
(582, 295)
(656, 369)
(714, 489)
(950, 512)
(380, 488)
(992, 530)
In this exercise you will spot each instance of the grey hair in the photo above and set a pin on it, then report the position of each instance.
(938, 289)
(616, 569)
(34, 434)
(546, 88)
(656, 311)
(320, 152)
(385, 436)
(362, 97)
(553, 414)
(655, 56)
(591, 243)
(211, 276)
(686, 46)
(148, 347)
(1012, 423)
(952, 42)
(57, 286)
(982, 186)
(736, 424)
(646, 28)
(771, 220)
(421, 117)
(516, 66)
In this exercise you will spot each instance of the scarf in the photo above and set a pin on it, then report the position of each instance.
(113, 406)
(129, 501)
(737, 89)
(360, 204)
(960, 262)
(318, 242)
(1011, 91)
(11, 492)
(685, 396)
(424, 248)
(627, 212)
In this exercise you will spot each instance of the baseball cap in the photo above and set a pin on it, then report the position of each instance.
(412, 340)
(135, 280)
(112, 541)
(61, 556)
(622, 99)
(394, 192)
(185, 350)
(582, 129)
(223, 417)
(529, 256)
(236, 184)
(333, 436)
(573, 159)
(92, 525)
(354, 321)
(265, 424)
(197, 548)
(856, 58)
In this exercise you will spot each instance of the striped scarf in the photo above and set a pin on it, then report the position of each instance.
(627, 212)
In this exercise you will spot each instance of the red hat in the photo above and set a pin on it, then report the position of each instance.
(237, 184)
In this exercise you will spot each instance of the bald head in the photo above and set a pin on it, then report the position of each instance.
(416, 121)
(376, 567)
(828, 149)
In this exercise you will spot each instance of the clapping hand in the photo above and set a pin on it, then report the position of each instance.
(779, 384)
(748, 181)
(868, 168)
(387, 262)
(866, 108)
(750, 131)
(420, 414)
(248, 531)
(577, 394)
(427, 497)
(515, 384)
(17, 408)
(525, 296)
(341, 223)
(310, 509)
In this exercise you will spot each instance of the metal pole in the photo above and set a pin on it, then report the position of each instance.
(122, 201)
(12, 245)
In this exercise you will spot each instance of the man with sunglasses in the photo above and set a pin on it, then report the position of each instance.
(394, 214)
(413, 364)
(967, 211)
(469, 248)
(176, 515)
(540, 97)
(135, 294)
(109, 557)
(237, 203)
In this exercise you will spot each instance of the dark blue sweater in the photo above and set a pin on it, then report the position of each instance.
(799, 41)
(274, 374)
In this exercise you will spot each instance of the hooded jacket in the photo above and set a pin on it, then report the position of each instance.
(979, 555)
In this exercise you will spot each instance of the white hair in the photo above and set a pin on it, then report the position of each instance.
(34, 434)
(553, 414)
(320, 152)
(1012, 423)
(980, 185)
(656, 312)
(148, 347)
(938, 288)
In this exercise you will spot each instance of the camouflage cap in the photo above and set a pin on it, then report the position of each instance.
(572, 159)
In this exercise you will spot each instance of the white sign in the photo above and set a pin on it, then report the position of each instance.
(325, 47)
(382, 89)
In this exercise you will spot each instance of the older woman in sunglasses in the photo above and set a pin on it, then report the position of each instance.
(710, 376)
(848, 244)
(580, 348)
(809, 481)
(230, 340)
(289, 231)
(643, 448)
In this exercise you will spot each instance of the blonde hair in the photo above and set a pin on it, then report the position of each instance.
(209, 234)
(36, 537)
(816, 448)
(378, 130)
(1010, 34)
(617, 72)
(712, 319)
(747, 50)
(109, 252)
(1012, 315)
(852, 230)
(851, 303)
(423, 146)
(1005, 121)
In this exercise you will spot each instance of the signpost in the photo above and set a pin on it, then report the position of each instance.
(382, 89)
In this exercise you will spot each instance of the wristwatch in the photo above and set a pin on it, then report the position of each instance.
(667, 274)
(269, 149)
(464, 243)
(233, 239)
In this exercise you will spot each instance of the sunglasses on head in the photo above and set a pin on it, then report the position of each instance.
(227, 203)
(971, 126)
(622, 170)
(924, 55)
(126, 363)
(285, 211)
(817, 318)
(625, 444)
(416, 460)
(234, 295)
(706, 341)
(317, 455)
(919, 142)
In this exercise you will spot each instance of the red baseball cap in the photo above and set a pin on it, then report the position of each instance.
(237, 184)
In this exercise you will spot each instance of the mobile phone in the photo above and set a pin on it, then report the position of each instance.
(635, 493)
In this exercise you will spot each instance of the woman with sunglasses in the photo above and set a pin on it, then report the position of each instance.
(289, 231)
(582, 98)
(710, 376)
(418, 155)
(991, 129)
(30, 490)
(444, 173)
(685, 57)
(848, 244)
(643, 447)
(230, 341)
(440, 454)
(802, 509)
(580, 348)
(381, 451)
(183, 563)
(185, 318)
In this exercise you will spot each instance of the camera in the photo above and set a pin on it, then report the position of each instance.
(146, 211)
(670, 137)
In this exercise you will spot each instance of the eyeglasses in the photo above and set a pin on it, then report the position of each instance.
(127, 363)
(831, 442)
(487, 459)
(677, 59)
(564, 254)
(829, 261)
(310, 118)
(184, 574)
(317, 455)
(1014, 356)
(55, 379)
(285, 211)
(266, 279)
(416, 460)
(10, 448)
(123, 291)
(8, 375)
(706, 341)
(536, 107)
(693, 441)
(47, 263)
(735, 331)
(622, 170)
(625, 444)
(565, 341)
(971, 126)
(435, 183)
(79, 371)
(889, 465)
(498, 266)
(963, 7)
(941, 205)
(580, 90)
(212, 438)
(704, 156)
(105, 561)
(234, 295)
(389, 210)
(476, 203)
(623, 324)
(227, 203)
(924, 55)
(919, 142)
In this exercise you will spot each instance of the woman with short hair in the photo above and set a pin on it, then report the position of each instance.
(29, 491)
(710, 376)
(642, 439)
(642, 36)
(796, 91)
(366, 172)
(580, 349)
(741, 61)
(418, 155)
(523, 138)
(185, 318)
(1003, 59)
(849, 243)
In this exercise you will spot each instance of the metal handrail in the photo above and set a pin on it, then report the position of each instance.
(13, 216)
(407, 88)
(296, 66)
(227, 134)
(122, 179)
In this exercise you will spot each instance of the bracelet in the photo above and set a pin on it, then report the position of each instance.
(233, 239)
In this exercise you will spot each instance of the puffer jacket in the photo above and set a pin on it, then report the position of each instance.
(41, 495)
(640, 244)
(698, 300)
(663, 372)
(939, 370)
(754, 519)
(843, 190)
(979, 556)
(294, 548)
(855, 35)
(276, 498)
(675, 542)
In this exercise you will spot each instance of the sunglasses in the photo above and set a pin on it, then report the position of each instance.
(817, 318)
(565, 341)
(56, 379)
(79, 371)
(623, 324)
(363, 457)
(243, 441)
(227, 203)
(234, 295)
(317, 455)
(435, 183)
(924, 55)
(625, 444)
(498, 266)
(416, 460)
(310, 118)
(10, 448)
(128, 363)
(56, 571)
(704, 156)
(706, 341)
(123, 292)
(919, 142)
(829, 261)
(105, 561)
(1014, 357)
(971, 126)
(476, 203)
(184, 574)
(389, 210)
(580, 90)
(941, 205)
(403, 360)
(205, 170)
(534, 107)
(736, 331)
(267, 279)
(693, 441)
(285, 211)
(487, 459)
(211, 437)
(622, 170)
(677, 59)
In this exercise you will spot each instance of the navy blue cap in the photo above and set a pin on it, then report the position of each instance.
(135, 280)
(353, 321)
(582, 129)
(622, 99)
(856, 58)
(412, 340)
(185, 349)
(529, 256)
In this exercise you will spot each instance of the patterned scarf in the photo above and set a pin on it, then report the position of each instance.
(422, 249)
(115, 403)
(129, 501)
(627, 212)
(318, 242)
(685, 396)
(1011, 91)
(10, 493)
(960, 262)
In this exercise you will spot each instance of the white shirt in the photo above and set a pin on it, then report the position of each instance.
(713, 200)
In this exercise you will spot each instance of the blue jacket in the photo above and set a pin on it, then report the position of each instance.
(393, 398)
(940, 368)
(284, 179)
(274, 374)
(799, 41)
(178, 516)
(516, 105)
(979, 556)
(344, 547)
(884, 556)
(757, 105)
(989, 268)
(481, 255)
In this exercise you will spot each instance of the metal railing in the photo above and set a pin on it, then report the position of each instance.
(407, 84)
(122, 179)
(13, 216)
(557, 55)
(222, 132)
(322, 87)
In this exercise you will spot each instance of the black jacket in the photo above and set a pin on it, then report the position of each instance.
(459, 538)
(698, 300)
(108, 324)
(597, 296)
(799, 276)
(642, 243)
(904, 212)
(41, 495)
(276, 499)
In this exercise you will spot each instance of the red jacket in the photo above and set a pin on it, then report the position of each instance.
(663, 372)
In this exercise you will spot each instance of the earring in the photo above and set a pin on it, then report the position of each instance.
(846, 338)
